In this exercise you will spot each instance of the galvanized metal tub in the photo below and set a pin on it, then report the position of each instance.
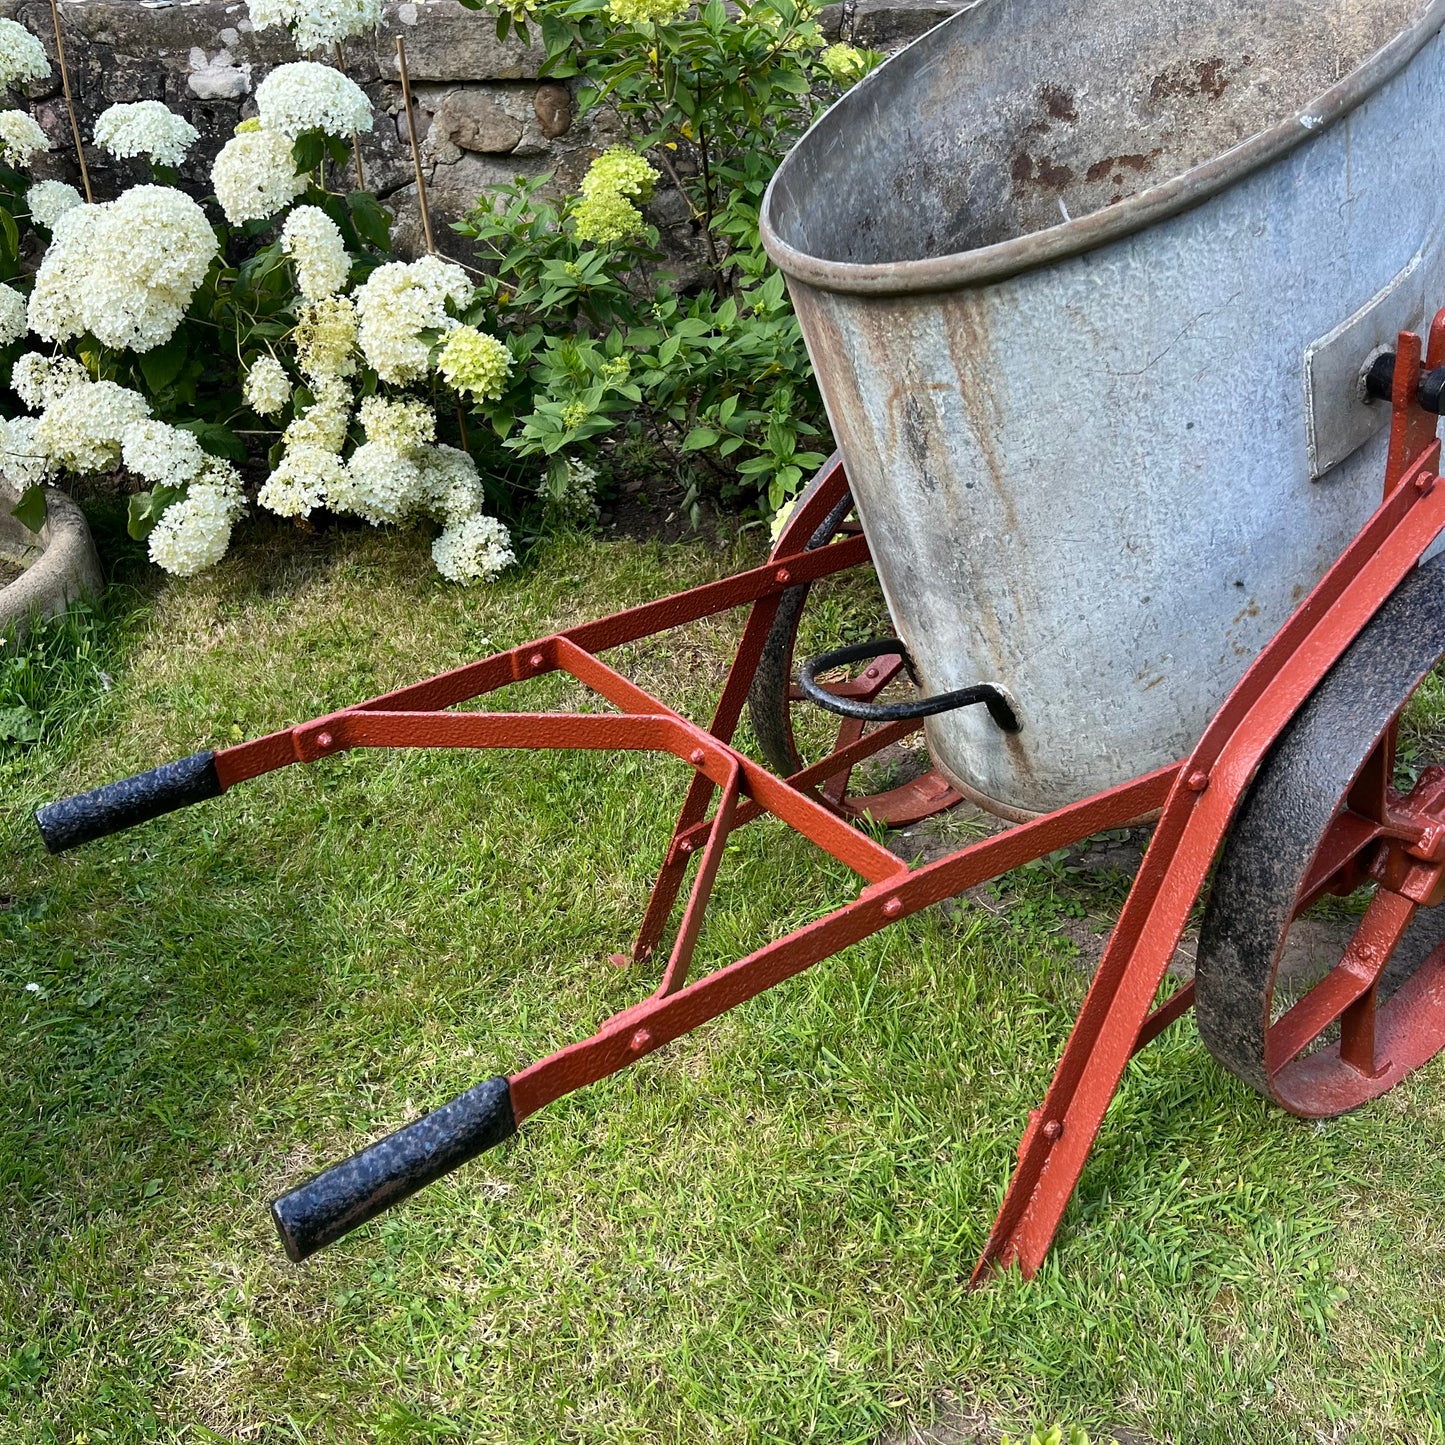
(1088, 287)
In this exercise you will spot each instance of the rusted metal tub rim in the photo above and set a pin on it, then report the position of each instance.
(1086, 233)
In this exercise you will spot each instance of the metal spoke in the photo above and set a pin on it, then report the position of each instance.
(1348, 989)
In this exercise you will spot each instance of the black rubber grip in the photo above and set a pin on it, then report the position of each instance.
(335, 1202)
(88, 816)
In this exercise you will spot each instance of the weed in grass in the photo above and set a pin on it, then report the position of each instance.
(1055, 1435)
(762, 1233)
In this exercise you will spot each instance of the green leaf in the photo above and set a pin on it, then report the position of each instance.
(147, 508)
(141, 515)
(699, 439)
(19, 725)
(309, 148)
(12, 233)
(372, 221)
(557, 36)
(162, 364)
(29, 511)
(790, 81)
(218, 440)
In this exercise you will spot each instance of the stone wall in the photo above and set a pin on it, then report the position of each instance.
(484, 112)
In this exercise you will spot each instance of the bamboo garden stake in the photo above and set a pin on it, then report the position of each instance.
(415, 145)
(355, 138)
(69, 103)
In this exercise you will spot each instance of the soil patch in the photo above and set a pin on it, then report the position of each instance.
(955, 1427)
(659, 511)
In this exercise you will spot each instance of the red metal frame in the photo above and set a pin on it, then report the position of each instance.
(1198, 798)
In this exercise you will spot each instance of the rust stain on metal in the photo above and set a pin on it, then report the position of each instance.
(1017, 749)
(903, 399)
(970, 349)
(1041, 170)
(1058, 102)
(1119, 164)
(1200, 77)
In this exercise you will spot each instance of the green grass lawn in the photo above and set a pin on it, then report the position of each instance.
(761, 1233)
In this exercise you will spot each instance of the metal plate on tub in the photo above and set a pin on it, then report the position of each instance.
(1338, 419)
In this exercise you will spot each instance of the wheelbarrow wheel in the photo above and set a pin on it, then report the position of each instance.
(1323, 818)
(774, 692)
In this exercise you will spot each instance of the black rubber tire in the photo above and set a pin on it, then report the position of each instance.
(1287, 811)
(769, 708)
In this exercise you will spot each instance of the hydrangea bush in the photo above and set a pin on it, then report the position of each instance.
(23, 208)
(608, 352)
(173, 339)
(179, 342)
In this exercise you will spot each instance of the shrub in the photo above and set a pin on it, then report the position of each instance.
(606, 341)
(177, 339)
(175, 344)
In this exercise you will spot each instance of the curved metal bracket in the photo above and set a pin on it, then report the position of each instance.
(999, 707)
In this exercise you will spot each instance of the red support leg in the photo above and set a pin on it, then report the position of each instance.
(728, 713)
(1113, 1019)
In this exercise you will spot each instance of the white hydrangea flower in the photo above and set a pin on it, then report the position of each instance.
(24, 462)
(325, 338)
(399, 301)
(307, 478)
(22, 56)
(324, 423)
(316, 24)
(306, 96)
(12, 315)
(163, 454)
(404, 424)
(145, 128)
(81, 429)
(61, 283)
(385, 484)
(313, 241)
(451, 487)
(20, 138)
(475, 549)
(38, 379)
(193, 534)
(254, 176)
(575, 499)
(221, 474)
(125, 270)
(268, 388)
(49, 201)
